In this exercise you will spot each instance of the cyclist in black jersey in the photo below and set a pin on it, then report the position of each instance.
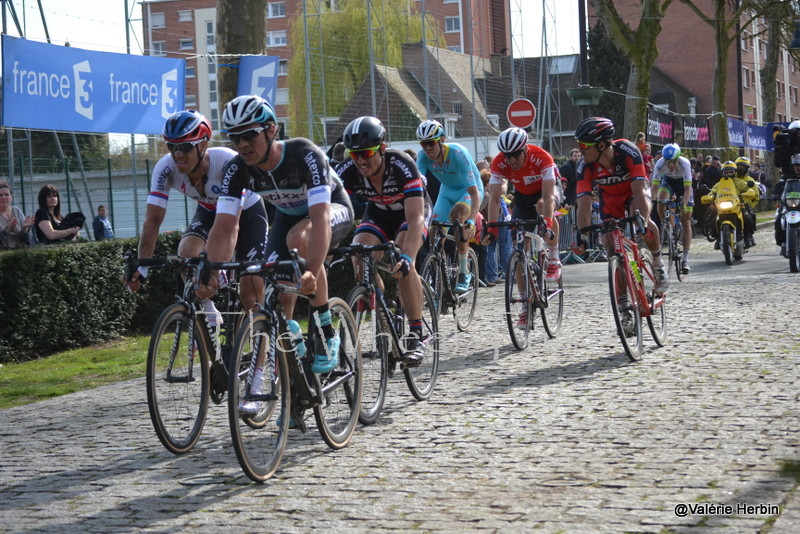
(312, 214)
(398, 209)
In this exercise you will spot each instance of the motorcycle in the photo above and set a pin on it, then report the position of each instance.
(728, 226)
(790, 222)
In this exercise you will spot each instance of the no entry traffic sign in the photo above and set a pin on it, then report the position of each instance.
(521, 112)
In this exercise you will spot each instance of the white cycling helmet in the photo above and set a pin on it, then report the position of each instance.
(429, 130)
(796, 159)
(511, 140)
(245, 110)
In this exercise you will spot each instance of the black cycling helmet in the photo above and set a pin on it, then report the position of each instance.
(594, 129)
(364, 132)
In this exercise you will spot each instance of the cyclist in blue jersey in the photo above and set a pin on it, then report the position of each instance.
(461, 192)
(313, 211)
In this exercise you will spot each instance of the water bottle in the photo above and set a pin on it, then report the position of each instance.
(297, 337)
(635, 268)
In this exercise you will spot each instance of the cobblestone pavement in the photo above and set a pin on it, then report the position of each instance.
(566, 436)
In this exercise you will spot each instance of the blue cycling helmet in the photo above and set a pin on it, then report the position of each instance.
(186, 127)
(671, 151)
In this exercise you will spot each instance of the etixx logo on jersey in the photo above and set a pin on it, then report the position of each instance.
(66, 88)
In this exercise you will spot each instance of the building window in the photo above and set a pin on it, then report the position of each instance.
(212, 66)
(190, 101)
(276, 10)
(186, 44)
(457, 108)
(452, 24)
(283, 67)
(794, 95)
(191, 72)
(454, 48)
(753, 77)
(282, 97)
(184, 15)
(746, 77)
(158, 48)
(157, 21)
(277, 38)
(449, 1)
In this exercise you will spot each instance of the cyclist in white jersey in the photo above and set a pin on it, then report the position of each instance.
(672, 176)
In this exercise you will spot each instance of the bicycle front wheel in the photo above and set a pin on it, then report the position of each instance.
(554, 312)
(340, 406)
(259, 439)
(422, 378)
(657, 319)
(465, 308)
(177, 379)
(626, 312)
(519, 308)
(374, 353)
(668, 247)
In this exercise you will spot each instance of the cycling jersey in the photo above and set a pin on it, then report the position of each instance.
(614, 184)
(166, 176)
(673, 181)
(301, 179)
(456, 173)
(538, 167)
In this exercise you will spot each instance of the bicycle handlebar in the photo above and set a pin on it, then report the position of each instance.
(613, 223)
(132, 263)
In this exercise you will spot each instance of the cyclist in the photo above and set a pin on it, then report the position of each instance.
(672, 179)
(398, 209)
(312, 212)
(743, 174)
(747, 190)
(195, 170)
(617, 169)
(537, 190)
(461, 191)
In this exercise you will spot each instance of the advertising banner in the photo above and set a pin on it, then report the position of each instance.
(755, 137)
(696, 132)
(53, 87)
(735, 132)
(660, 129)
(258, 75)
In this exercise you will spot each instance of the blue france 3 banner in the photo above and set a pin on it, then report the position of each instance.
(63, 88)
(258, 75)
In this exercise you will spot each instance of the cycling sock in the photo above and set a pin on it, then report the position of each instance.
(462, 263)
(415, 324)
(416, 331)
(685, 255)
(324, 314)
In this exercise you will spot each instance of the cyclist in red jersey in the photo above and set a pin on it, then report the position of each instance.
(616, 167)
(537, 187)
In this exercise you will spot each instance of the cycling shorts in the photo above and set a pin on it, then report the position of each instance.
(447, 199)
(251, 242)
(387, 224)
(675, 187)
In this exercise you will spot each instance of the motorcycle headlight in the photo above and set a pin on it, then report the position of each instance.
(792, 202)
(725, 205)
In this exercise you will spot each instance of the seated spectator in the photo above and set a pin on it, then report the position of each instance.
(49, 220)
(14, 226)
(101, 226)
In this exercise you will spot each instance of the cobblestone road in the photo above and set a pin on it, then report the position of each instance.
(567, 436)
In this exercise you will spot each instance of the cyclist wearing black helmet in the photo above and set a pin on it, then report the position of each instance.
(617, 169)
(398, 209)
(196, 171)
(312, 213)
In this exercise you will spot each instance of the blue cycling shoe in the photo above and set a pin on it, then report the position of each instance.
(322, 363)
(463, 283)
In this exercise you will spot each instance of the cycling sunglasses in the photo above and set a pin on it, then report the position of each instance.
(247, 135)
(365, 153)
(430, 142)
(181, 147)
(515, 154)
(584, 146)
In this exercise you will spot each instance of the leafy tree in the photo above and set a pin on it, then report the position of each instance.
(337, 44)
(640, 46)
(608, 69)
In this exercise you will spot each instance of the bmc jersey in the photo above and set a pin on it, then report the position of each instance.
(682, 172)
(166, 177)
(538, 167)
(301, 179)
(401, 180)
(457, 172)
(626, 167)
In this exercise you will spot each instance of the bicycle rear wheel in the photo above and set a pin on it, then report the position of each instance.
(465, 308)
(626, 312)
(374, 354)
(338, 412)
(422, 378)
(431, 272)
(177, 379)
(259, 439)
(519, 308)
(677, 251)
(668, 247)
(657, 320)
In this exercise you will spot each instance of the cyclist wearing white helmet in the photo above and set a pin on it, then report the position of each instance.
(196, 171)
(672, 179)
(313, 211)
(461, 192)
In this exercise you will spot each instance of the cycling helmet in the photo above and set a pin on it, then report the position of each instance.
(728, 166)
(794, 125)
(245, 110)
(512, 140)
(186, 127)
(364, 132)
(796, 159)
(429, 130)
(594, 129)
(671, 151)
(743, 161)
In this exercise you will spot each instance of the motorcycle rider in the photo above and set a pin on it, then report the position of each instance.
(780, 231)
(743, 173)
(742, 187)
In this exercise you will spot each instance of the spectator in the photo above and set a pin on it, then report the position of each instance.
(50, 224)
(649, 163)
(337, 155)
(14, 226)
(101, 226)
(758, 175)
(641, 141)
(712, 173)
(567, 172)
(411, 152)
